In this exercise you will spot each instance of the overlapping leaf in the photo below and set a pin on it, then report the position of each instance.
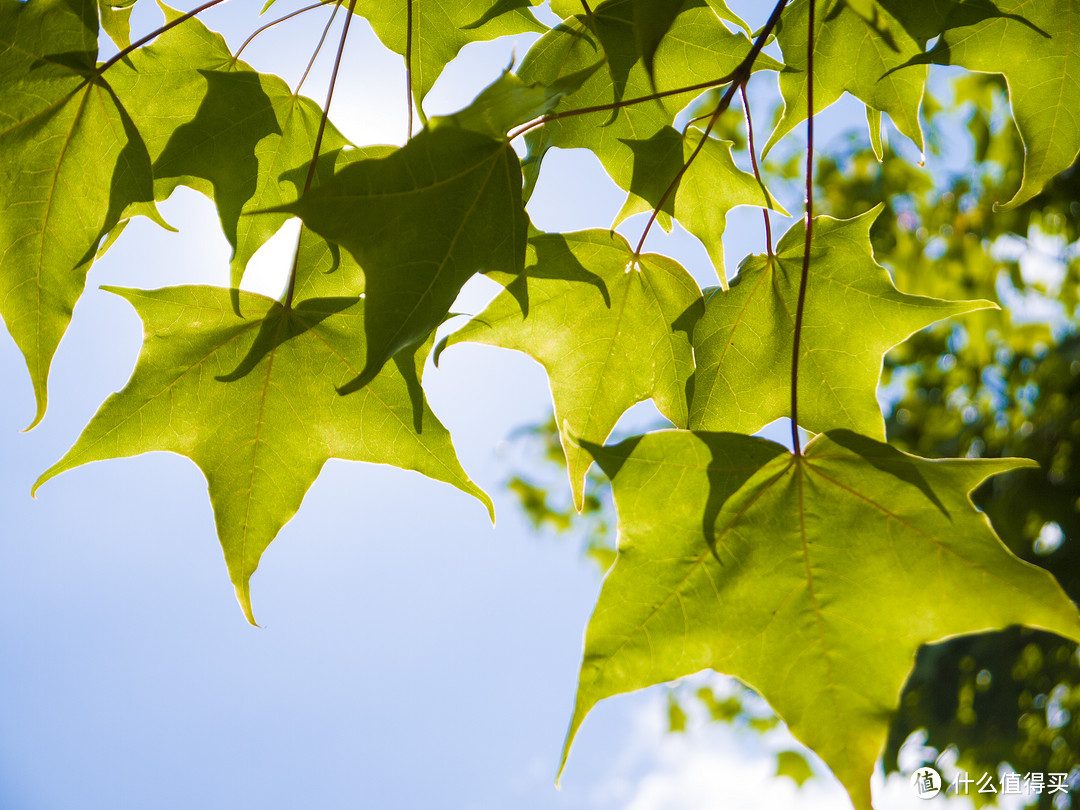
(610, 330)
(812, 579)
(72, 167)
(432, 32)
(854, 314)
(696, 49)
(212, 123)
(420, 222)
(251, 400)
(849, 55)
(1034, 44)
(710, 187)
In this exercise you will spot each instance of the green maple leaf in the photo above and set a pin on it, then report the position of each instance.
(116, 20)
(654, 18)
(854, 314)
(420, 222)
(73, 166)
(696, 48)
(609, 329)
(250, 399)
(432, 32)
(849, 55)
(508, 102)
(1033, 44)
(813, 579)
(707, 190)
(212, 123)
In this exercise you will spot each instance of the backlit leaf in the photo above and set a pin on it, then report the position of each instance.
(849, 55)
(252, 401)
(813, 579)
(73, 166)
(854, 314)
(610, 331)
(420, 222)
(697, 48)
(440, 29)
(1034, 46)
(212, 123)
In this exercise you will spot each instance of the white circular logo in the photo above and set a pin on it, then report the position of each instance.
(926, 782)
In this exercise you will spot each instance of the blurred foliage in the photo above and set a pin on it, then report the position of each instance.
(987, 384)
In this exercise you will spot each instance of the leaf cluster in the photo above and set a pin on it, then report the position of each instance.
(801, 570)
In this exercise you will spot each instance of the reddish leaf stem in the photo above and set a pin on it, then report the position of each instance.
(318, 143)
(322, 39)
(408, 64)
(615, 105)
(809, 232)
(289, 16)
(738, 78)
(757, 171)
(153, 34)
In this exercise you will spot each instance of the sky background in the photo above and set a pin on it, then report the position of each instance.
(411, 655)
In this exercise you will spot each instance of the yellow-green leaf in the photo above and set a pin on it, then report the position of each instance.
(251, 399)
(813, 579)
(609, 329)
(854, 314)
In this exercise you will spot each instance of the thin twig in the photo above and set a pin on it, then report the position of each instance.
(738, 78)
(757, 171)
(153, 34)
(408, 64)
(322, 39)
(272, 23)
(809, 233)
(615, 105)
(318, 143)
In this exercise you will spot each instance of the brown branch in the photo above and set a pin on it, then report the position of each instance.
(757, 171)
(322, 39)
(738, 78)
(408, 64)
(271, 24)
(153, 34)
(615, 105)
(318, 144)
(809, 233)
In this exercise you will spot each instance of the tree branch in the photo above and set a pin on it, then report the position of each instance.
(318, 144)
(809, 232)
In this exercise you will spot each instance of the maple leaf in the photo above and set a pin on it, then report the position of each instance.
(814, 578)
(743, 342)
(610, 329)
(1033, 44)
(696, 48)
(213, 124)
(851, 55)
(430, 33)
(250, 399)
(420, 222)
(73, 167)
(711, 186)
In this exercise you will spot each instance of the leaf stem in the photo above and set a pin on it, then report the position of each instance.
(318, 144)
(408, 64)
(738, 79)
(757, 171)
(615, 105)
(322, 39)
(153, 34)
(272, 23)
(801, 306)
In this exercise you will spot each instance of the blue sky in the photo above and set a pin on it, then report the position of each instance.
(411, 655)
